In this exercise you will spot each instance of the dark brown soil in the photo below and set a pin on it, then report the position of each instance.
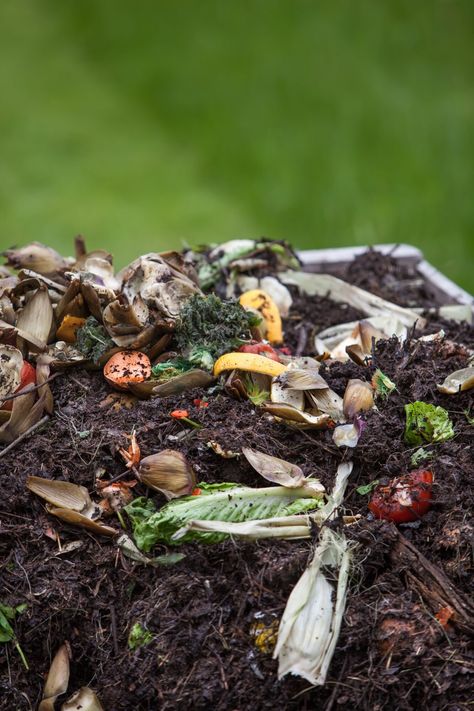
(391, 654)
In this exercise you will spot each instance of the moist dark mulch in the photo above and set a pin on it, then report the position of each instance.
(201, 610)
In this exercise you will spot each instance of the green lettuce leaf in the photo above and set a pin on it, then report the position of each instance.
(217, 502)
(427, 423)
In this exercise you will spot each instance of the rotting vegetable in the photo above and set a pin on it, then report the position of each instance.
(223, 502)
(403, 499)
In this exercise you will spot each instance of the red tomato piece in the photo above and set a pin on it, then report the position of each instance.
(405, 498)
(179, 414)
(260, 349)
(28, 375)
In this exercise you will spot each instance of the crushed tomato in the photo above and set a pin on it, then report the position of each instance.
(405, 498)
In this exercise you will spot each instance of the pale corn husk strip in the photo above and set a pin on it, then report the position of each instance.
(458, 381)
(285, 528)
(36, 319)
(287, 396)
(78, 519)
(83, 700)
(275, 470)
(452, 312)
(340, 291)
(63, 494)
(57, 680)
(311, 622)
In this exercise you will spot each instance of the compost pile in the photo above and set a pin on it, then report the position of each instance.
(229, 483)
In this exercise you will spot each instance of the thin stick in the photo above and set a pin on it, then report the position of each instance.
(23, 436)
(32, 388)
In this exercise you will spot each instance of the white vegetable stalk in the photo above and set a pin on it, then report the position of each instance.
(311, 622)
(283, 527)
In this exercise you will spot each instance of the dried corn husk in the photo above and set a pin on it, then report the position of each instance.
(169, 472)
(35, 320)
(327, 402)
(354, 339)
(24, 414)
(311, 622)
(301, 379)
(358, 397)
(57, 680)
(83, 700)
(297, 418)
(78, 519)
(312, 619)
(286, 396)
(43, 369)
(458, 381)
(63, 494)
(273, 469)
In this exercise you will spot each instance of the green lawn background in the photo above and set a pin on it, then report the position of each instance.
(329, 123)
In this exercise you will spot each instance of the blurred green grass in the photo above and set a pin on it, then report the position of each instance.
(327, 123)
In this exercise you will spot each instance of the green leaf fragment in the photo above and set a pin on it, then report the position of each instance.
(139, 636)
(419, 456)
(382, 384)
(7, 633)
(367, 488)
(469, 417)
(426, 423)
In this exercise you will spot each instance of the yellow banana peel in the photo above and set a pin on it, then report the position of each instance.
(248, 361)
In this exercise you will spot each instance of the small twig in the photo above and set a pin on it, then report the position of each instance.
(114, 629)
(78, 382)
(32, 388)
(23, 436)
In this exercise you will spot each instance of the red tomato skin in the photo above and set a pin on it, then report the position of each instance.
(27, 377)
(413, 488)
(260, 349)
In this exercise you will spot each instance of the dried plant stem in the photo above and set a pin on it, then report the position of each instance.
(23, 436)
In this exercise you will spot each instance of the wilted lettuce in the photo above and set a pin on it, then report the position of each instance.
(427, 423)
(217, 502)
